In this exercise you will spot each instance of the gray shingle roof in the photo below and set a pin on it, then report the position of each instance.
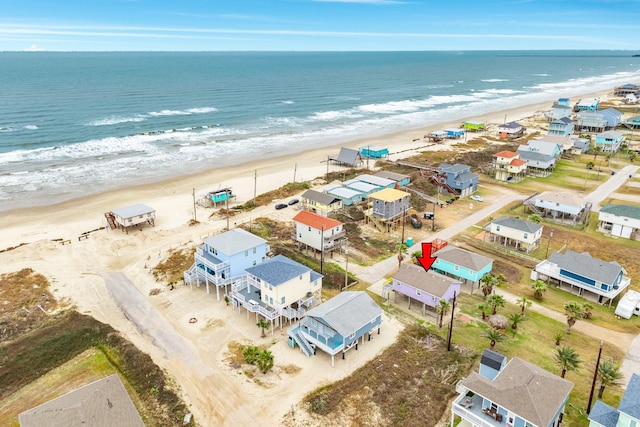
(533, 156)
(347, 312)
(604, 414)
(463, 258)
(587, 266)
(392, 175)
(517, 224)
(428, 281)
(316, 196)
(622, 210)
(524, 389)
(234, 241)
(630, 403)
(277, 270)
(103, 403)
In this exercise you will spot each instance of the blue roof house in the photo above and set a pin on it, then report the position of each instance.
(278, 288)
(462, 264)
(225, 257)
(628, 412)
(561, 127)
(612, 116)
(460, 178)
(609, 141)
(336, 326)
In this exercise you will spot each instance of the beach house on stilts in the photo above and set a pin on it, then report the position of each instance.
(223, 259)
(130, 216)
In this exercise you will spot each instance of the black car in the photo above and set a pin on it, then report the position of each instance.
(293, 202)
(280, 206)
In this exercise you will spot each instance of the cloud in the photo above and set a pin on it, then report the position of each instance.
(33, 48)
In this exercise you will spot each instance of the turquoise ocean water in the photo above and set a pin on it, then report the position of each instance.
(73, 124)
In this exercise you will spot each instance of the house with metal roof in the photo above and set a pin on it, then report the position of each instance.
(626, 89)
(626, 415)
(591, 121)
(130, 216)
(543, 146)
(561, 127)
(223, 258)
(348, 196)
(459, 178)
(558, 205)
(523, 235)
(374, 152)
(508, 166)
(337, 325)
(347, 157)
(612, 116)
(279, 288)
(585, 275)
(376, 180)
(318, 232)
(609, 141)
(580, 146)
(102, 403)
(588, 104)
(362, 187)
(521, 394)
(473, 125)
(564, 141)
(321, 203)
(511, 130)
(538, 164)
(399, 178)
(620, 221)
(462, 264)
(425, 287)
(454, 133)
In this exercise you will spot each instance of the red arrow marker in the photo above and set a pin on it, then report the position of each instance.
(426, 260)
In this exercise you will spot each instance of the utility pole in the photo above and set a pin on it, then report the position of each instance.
(226, 192)
(404, 218)
(194, 206)
(346, 270)
(327, 168)
(453, 308)
(295, 169)
(595, 375)
(322, 249)
(255, 186)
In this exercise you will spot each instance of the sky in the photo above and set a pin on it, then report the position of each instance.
(318, 25)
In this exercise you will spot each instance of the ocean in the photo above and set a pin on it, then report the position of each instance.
(73, 124)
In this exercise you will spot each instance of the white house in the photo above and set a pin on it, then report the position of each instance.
(560, 205)
(130, 216)
(509, 231)
(318, 232)
(223, 258)
(620, 221)
(510, 130)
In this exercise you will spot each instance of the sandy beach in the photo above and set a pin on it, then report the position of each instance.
(77, 273)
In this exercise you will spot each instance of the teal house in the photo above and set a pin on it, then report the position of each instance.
(467, 266)
(221, 195)
(626, 415)
(374, 152)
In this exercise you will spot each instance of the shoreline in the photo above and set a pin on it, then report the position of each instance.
(263, 175)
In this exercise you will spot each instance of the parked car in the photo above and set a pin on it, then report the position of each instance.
(428, 215)
(476, 198)
(293, 202)
(280, 206)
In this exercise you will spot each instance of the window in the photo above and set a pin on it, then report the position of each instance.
(282, 300)
(434, 299)
(300, 277)
(246, 253)
(254, 250)
(418, 292)
(456, 267)
(497, 228)
(309, 228)
(255, 262)
(270, 300)
(526, 235)
(633, 423)
(352, 336)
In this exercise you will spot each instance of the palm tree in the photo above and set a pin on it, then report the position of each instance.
(609, 375)
(500, 279)
(495, 302)
(567, 359)
(586, 310)
(574, 311)
(539, 288)
(442, 309)
(483, 308)
(590, 165)
(494, 336)
(523, 302)
(515, 318)
(263, 324)
(265, 361)
(487, 283)
(558, 337)
(535, 218)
